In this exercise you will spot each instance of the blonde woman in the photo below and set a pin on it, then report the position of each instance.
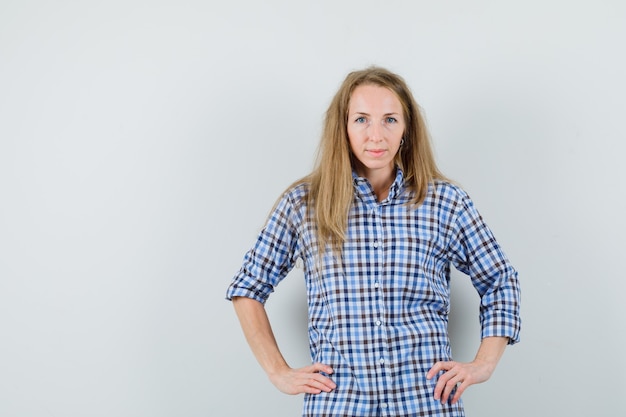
(377, 227)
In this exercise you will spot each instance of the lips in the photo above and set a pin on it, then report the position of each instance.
(376, 152)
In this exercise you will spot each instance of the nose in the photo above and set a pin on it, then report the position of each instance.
(376, 132)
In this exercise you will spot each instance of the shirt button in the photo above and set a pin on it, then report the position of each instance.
(378, 322)
(381, 361)
(384, 405)
(376, 285)
(375, 244)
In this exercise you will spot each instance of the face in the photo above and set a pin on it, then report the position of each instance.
(375, 129)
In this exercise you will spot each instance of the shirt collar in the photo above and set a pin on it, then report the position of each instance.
(363, 188)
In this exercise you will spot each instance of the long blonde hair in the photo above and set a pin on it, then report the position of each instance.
(331, 187)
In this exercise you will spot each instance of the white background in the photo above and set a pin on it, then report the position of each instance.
(142, 144)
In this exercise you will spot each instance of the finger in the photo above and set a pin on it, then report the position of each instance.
(441, 385)
(447, 382)
(443, 378)
(306, 389)
(436, 368)
(320, 367)
(459, 391)
(448, 388)
(326, 381)
(310, 376)
(300, 383)
(324, 384)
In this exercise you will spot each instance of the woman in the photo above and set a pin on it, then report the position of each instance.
(377, 226)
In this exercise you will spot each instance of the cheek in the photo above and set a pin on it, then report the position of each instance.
(353, 139)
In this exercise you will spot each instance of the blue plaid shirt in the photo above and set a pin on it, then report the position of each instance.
(379, 314)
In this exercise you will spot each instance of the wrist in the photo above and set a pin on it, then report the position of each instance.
(490, 351)
(276, 368)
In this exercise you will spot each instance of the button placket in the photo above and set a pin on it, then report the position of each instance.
(382, 359)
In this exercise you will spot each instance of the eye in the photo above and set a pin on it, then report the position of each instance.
(391, 120)
(360, 119)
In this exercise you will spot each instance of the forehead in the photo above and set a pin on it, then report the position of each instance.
(374, 97)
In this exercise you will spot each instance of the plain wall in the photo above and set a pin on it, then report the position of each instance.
(142, 144)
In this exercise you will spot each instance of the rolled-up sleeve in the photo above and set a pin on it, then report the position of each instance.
(270, 259)
(476, 253)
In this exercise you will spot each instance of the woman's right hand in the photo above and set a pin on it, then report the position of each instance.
(307, 380)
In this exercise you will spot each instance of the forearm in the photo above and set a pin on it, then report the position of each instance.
(490, 351)
(258, 332)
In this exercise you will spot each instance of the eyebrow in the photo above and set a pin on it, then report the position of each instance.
(367, 114)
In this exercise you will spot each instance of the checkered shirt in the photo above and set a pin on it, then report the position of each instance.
(378, 315)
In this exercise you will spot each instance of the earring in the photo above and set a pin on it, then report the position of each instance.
(402, 142)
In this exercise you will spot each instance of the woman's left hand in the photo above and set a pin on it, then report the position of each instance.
(462, 375)
(459, 375)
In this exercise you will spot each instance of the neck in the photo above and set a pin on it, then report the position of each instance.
(381, 182)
